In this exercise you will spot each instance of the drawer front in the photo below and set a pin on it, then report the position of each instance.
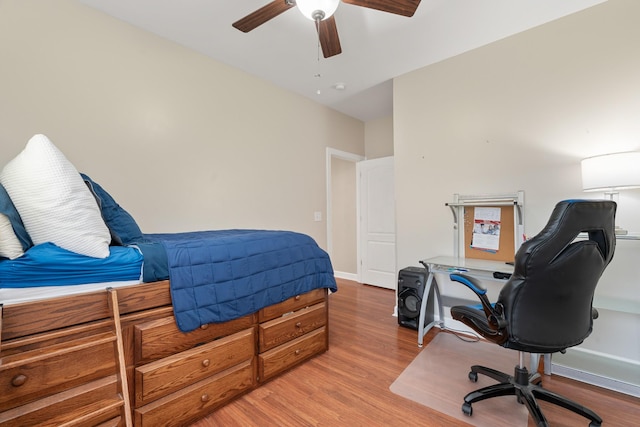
(143, 296)
(284, 357)
(167, 375)
(35, 374)
(94, 402)
(292, 304)
(197, 400)
(160, 338)
(286, 328)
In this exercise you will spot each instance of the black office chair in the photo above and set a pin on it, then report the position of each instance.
(546, 305)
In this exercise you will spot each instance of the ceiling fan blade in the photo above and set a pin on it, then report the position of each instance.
(262, 15)
(397, 7)
(329, 40)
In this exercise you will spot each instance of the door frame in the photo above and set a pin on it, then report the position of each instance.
(332, 153)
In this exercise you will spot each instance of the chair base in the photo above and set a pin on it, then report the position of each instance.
(528, 389)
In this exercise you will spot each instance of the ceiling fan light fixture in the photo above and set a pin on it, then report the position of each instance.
(317, 10)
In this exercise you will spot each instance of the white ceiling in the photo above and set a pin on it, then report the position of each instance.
(376, 46)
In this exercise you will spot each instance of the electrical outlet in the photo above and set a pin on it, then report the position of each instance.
(317, 216)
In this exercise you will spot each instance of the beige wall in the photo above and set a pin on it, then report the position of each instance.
(520, 114)
(344, 221)
(378, 138)
(181, 141)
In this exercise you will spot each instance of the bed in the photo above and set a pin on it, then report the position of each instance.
(151, 329)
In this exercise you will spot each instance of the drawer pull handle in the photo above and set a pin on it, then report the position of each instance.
(297, 352)
(205, 326)
(297, 297)
(204, 397)
(206, 363)
(18, 380)
(298, 325)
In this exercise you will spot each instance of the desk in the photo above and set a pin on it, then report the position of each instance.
(478, 268)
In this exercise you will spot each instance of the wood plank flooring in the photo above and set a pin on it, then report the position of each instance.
(349, 385)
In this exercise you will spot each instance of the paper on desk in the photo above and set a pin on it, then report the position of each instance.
(486, 228)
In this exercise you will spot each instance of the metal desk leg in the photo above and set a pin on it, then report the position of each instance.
(422, 328)
(547, 364)
(535, 360)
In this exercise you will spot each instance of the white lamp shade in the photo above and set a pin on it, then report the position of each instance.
(611, 172)
(308, 7)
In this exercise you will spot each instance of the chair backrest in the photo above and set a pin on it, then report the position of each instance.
(548, 299)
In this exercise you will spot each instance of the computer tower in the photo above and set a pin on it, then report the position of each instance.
(411, 284)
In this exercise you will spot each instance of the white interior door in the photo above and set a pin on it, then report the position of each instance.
(377, 225)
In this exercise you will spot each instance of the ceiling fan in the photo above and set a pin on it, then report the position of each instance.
(321, 11)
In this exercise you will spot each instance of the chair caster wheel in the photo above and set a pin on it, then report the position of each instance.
(473, 376)
(594, 424)
(467, 409)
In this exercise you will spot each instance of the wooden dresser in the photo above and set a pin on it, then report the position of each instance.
(291, 332)
(118, 358)
(185, 376)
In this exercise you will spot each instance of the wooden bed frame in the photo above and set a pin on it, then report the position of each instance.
(117, 358)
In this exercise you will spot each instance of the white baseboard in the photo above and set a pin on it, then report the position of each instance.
(597, 380)
(346, 276)
(598, 369)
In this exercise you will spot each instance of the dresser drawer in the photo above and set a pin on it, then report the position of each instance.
(286, 328)
(290, 354)
(292, 304)
(160, 338)
(199, 399)
(162, 377)
(34, 374)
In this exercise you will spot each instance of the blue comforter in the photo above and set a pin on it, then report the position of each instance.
(221, 275)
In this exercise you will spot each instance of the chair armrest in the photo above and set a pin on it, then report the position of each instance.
(495, 315)
(471, 282)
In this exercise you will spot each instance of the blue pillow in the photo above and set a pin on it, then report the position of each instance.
(124, 229)
(9, 210)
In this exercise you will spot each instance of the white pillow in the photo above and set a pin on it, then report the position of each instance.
(10, 246)
(54, 203)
